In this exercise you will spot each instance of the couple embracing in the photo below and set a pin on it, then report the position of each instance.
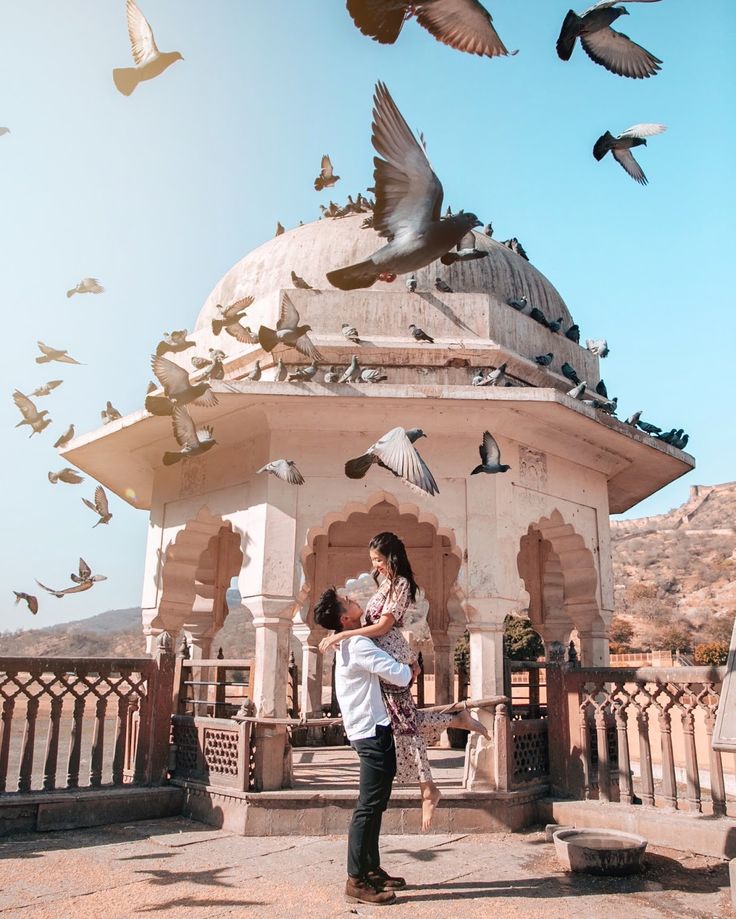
(373, 674)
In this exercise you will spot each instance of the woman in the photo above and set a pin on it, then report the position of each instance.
(384, 616)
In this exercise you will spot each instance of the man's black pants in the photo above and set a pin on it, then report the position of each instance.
(377, 770)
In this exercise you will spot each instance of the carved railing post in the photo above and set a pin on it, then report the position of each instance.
(503, 748)
(75, 744)
(98, 744)
(158, 703)
(715, 760)
(625, 784)
(26, 758)
(8, 707)
(52, 745)
(669, 784)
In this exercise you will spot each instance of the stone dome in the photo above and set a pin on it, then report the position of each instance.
(315, 248)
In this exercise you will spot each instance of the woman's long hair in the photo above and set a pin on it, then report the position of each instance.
(397, 561)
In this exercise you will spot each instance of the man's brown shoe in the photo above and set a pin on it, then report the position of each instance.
(383, 879)
(366, 892)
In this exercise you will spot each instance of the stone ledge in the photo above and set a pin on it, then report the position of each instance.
(697, 833)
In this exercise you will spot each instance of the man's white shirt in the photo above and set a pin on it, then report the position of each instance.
(359, 665)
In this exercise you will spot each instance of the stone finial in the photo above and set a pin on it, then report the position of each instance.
(184, 647)
(165, 642)
(220, 655)
(572, 653)
(556, 652)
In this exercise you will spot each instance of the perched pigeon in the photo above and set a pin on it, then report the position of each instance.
(488, 230)
(45, 390)
(555, 325)
(515, 247)
(577, 392)
(31, 601)
(408, 204)
(300, 282)
(609, 406)
(303, 374)
(177, 388)
(288, 332)
(442, 286)
(281, 372)
(490, 456)
(83, 581)
(65, 437)
(620, 147)
(149, 61)
(352, 372)
(285, 470)
(53, 354)
(174, 341)
(67, 475)
(603, 45)
(497, 376)
(538, 316)
(395, 451)
(255, 374)
(326, 177)
(31, 415)
(634, 419)
(411, 284)
(110, 413)
(680, 441)
(601, 389)
(373, 375)
(544, 360)
(597, 346)
(573, 333)
(192, 440)
(648, 428)
(568, 371)
(86, 286)
(351, 333)
(667, 436)
(100, 506)
(465, 251)
(518, 303)
(479, 377)
(331, 375)
(465, 25)
(279, 229)
(419, 334)
(229, 320)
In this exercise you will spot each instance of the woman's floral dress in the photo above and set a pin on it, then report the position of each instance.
(413, 730)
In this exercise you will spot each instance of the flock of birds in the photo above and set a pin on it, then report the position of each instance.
(406, 211)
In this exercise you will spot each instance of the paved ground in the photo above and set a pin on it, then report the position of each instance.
(176, 868)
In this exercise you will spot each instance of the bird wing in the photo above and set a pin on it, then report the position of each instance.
(70, 476)
(619, 54)
(184, 429)
(52, 384)
(408, 193)
(101, 504)
(397, 452)
(467, 242)
(378, 19)
(50, 590)
(142, 42)
(172, 377)
(643, 130)
(85, 572)
(626, 159)
(326, 171)
(90, 505)
(201, 362)
(46, 349)
(489, 452)
(304, 345)
(604, 4)
(465, 25)
(293, 476)
(240, 333)
(235, 309)
(288, 314)
(26, 406)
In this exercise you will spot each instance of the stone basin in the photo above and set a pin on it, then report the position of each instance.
(594, 851)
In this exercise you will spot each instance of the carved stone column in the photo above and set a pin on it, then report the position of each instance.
(312, 668)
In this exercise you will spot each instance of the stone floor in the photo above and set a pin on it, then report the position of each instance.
(338, 769)
(175, 868)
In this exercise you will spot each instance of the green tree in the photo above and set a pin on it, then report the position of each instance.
(520, 641)
(713, 654)
(673, 638)
(620, 635)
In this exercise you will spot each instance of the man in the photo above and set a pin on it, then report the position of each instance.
(359, 664)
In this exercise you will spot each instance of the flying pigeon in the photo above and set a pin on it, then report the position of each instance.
(465, 25)
(373, 375)
(465, 251)
(497, 376)
(352, 372)
(603, 45)
(255, 374)
(620, 147)
(518, 303)
(395, 451)
(299, 282)
(109, 413)
(544, 360)
(408, 204)
(331, 375)
(31, 415)
(303, 374)
(411, 284)
(212, 366)
(86, 286)
(66, 475)
(83, 581)
(281, 372)
(351, 333)
(100, 506)
(568, 371)
(229, 320)
(577, 392)
(53, 354)
(573, 333)
(174, 341)
(45, 390)
(177, 388)
(192, 440)
(419, 334)
(555, 325)
(149, 61)
(598, 346)
(285, 470)
(442, 286)
(633, 419)
(31, 601)
(648, 428)
(326, 177)
(279, 229)
(288, 332)
(490, 456)
(65, 437)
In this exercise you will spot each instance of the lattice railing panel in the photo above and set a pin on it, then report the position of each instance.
(530, 751)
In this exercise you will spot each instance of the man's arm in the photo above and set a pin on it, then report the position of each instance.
(375, 660)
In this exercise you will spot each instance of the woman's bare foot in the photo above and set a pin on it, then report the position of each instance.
(430, 799)
(467, 722)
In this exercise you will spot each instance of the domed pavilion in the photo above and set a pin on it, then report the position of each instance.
(534, 540)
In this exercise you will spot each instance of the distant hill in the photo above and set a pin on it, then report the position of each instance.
(115, 633)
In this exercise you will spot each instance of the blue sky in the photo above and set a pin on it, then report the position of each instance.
(160, 193)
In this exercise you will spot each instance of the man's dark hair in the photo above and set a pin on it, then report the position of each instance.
(328, 609)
